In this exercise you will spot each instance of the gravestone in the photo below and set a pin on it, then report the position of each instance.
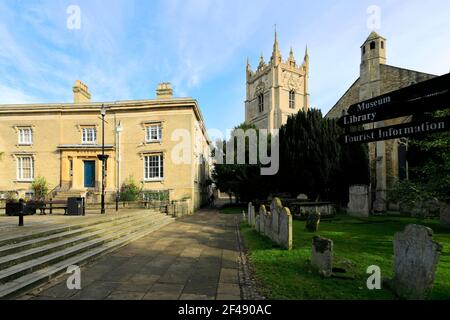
(416, 257)
(322, 255)
(275, 209)
(268, 225)
(257, 222)
(251, 215)
(359, 204)
(285, 227)
(313, 221)
(445, 216)
(262, 219)
(302, 196)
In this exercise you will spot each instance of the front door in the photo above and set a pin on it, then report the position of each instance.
(89, 174)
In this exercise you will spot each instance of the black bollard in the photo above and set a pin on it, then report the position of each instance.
(117, 202)
(22, 207)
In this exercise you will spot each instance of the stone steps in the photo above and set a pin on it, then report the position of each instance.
(59, 234)
(84, 222)
(43, 250)
(43, 260)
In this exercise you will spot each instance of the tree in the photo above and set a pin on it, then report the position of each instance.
(314, 163)
(40, 188)
(429, 167)
(242, 180)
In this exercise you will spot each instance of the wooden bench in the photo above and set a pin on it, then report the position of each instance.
(52, 205)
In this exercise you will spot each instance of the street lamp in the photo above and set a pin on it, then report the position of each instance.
(103, 157)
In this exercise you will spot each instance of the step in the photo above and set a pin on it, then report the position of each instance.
(33, 253)
(21, 269)
(24, 245)
(63, 228)
(31, 280)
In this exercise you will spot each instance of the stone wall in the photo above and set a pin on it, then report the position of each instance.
(275, 224)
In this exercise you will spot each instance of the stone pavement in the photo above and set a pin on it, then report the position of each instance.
(195, 258)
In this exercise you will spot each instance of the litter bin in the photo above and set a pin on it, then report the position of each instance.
(75, 206)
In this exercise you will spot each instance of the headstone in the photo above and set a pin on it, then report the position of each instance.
(445, 216)
(262, 219)
(251, 215)
(302, 196)
(359, 204)
(257, 222)
(285, 226)
(322, 255)
(416, 257)
(268, 225)
(313, 221)
(275, 208)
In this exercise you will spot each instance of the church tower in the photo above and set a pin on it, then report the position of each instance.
(277, 89)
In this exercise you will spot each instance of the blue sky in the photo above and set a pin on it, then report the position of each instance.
(124, 48)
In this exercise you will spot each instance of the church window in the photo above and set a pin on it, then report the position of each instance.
(372, 45)
(292, 99)
(364, 49)
(382, 44)
(261, 102)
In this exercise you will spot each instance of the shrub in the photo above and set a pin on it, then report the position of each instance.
(40, 188)
(130, 190)
(11, 196)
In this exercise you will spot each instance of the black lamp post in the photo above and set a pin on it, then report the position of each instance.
(103, 158)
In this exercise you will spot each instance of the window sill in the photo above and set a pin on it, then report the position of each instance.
(25, 145)
(24, 181)
(153, 180)
(153, 141)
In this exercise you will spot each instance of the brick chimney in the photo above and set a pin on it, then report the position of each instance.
(81, 92)
(164, 91)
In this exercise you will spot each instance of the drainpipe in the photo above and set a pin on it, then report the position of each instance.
(119, 129)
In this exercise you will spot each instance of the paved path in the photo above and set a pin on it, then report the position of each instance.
(196, 257)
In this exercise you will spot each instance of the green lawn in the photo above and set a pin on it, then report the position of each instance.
(232, 209)
(357, 245)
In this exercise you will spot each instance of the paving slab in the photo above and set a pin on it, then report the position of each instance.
(194, 258)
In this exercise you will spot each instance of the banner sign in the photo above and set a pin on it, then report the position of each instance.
(429, 103)
(420, 90)
(417, 128)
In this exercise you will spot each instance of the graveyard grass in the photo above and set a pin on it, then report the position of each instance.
(358, 244)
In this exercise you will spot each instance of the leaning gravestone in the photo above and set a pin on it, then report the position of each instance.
(313, 221)
(322, 255)
(416, 257)
(359, 204)
(285, 227)
(275, 209)
(445, 216)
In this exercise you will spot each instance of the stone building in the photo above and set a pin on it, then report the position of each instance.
(276, 90)
(387, 158)
(161, 143)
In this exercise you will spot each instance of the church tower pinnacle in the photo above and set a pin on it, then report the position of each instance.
(276, 54)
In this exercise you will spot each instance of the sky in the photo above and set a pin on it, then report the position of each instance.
(123, 48)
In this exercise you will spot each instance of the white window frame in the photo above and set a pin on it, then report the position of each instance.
(85, 135)
(153, 162)
(25, 139)
(152, 129)
(20, 168)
